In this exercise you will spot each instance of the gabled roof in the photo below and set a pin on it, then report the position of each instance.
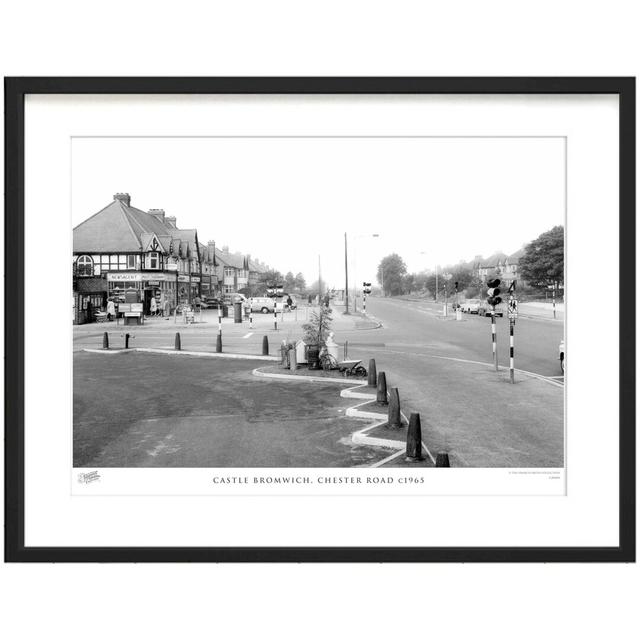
(121, 227)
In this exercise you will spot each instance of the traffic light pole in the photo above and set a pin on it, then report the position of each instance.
(494, 344)
(512, 324)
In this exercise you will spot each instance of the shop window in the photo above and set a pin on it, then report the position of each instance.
(84, 266)
(153, 260)
(131, 262)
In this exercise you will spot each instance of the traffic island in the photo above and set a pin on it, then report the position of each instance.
(150, 411)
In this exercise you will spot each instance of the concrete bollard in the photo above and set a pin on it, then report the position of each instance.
(265, 346)
(126, 340)
(442, 460)
(381, 395)
(414, 438)
(373, 376)
(178, 344)
(105, 340)
(218, 343)
(293, 361)
(395, 421)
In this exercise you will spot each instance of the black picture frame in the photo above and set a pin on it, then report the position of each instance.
(15, 91)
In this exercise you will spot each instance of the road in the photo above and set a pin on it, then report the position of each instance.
(418, 326)
(442, 368)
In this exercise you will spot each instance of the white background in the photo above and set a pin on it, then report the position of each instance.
(54, 517)
(399, 38)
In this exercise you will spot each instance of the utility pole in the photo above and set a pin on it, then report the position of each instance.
(346, 278)
(319, 280)
(436, 283)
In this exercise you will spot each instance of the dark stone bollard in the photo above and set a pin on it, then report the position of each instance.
(265, 346)
(395, 421)
(178, 344)
(218, 343)
(293, 362)
(414, 438)
(442, 460)
(105, 340)
(381, 396)
(373, 376)
(126, 340)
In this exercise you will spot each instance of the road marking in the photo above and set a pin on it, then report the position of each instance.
(248, 335)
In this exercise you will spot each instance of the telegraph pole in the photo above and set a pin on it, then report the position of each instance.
(346, 278)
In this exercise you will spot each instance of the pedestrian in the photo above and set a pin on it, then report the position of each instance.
(289, 301)
(111, 309)
(153, 307)
(326, 300)
(167, 309)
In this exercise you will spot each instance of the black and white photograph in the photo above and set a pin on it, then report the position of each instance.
(318, 301)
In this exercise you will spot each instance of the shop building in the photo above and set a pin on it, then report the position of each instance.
(122, 248)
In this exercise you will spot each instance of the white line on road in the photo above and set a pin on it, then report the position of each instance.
(248, 335)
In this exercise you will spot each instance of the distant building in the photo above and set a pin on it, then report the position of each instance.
(237, 271)
(499, 265)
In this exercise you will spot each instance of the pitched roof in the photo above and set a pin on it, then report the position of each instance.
(121, 227)
(111, 229)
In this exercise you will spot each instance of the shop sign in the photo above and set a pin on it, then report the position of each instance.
(122, 277)
(136, 307)
(195, 279)
(153, 283)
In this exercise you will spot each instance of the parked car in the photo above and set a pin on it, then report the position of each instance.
(211, 302)
(561, 355)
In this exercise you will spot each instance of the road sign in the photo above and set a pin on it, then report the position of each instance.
(512, 309)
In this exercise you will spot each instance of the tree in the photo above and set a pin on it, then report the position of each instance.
(299, 282)
(391, 272)
(289, 281)
(269, 279)
(543, 261)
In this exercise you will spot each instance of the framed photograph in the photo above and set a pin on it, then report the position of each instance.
(320, 319)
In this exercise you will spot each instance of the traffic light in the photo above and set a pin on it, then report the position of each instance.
(492, 292)
(455, 284)
(366, 288)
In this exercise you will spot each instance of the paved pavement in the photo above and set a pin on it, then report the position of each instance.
(141, 410)
(236, 337)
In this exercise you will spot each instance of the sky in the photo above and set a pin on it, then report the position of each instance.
(290, 201)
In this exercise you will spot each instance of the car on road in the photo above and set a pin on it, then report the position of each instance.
(262, 304)
(561, 355)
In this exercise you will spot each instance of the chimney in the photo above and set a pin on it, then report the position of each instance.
(123, 197)
(171, 221)
(211, 250)
(225, 248)
(157, 213)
